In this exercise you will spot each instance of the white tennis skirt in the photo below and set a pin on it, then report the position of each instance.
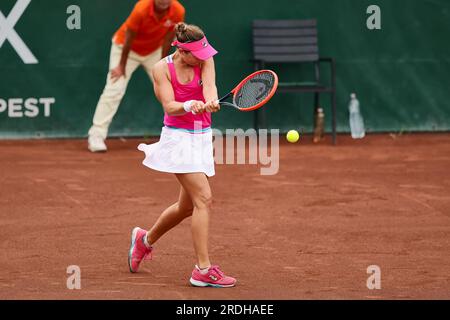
(180, 151)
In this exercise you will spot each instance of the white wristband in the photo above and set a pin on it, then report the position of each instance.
(187, 106)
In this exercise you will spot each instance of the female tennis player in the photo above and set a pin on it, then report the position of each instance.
(184, 83)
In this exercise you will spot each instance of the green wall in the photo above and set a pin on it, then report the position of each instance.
(400, 73)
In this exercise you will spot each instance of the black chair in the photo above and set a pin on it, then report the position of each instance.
(292, 41)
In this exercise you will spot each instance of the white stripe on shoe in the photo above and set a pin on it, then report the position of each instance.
(133, 243)
(197, 283)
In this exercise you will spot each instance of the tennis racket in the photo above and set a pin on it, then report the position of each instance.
(253, 92)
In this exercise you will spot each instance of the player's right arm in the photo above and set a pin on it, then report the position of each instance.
(164, 92)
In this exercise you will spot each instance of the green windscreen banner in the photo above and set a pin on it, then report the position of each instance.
(394, 54)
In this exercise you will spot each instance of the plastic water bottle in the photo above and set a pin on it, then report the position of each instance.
(356, 119)
(319, 125)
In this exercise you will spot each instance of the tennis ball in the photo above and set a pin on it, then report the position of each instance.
(292, 136)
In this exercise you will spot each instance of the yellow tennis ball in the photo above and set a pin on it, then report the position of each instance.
(292, 136)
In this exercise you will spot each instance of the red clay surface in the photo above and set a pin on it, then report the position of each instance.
(309, 232)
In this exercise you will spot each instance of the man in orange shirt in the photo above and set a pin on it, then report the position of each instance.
(144, 39)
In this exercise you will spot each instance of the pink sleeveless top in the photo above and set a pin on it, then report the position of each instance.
(183, 93)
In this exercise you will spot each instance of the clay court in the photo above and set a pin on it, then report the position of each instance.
(309, 232)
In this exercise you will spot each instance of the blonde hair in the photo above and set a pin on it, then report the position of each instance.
(188, 32)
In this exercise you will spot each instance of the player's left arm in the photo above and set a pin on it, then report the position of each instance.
(209, 85)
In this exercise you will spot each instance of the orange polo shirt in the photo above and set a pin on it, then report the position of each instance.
(150, 32)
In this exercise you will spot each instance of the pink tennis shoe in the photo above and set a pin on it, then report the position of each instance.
(138, 250)
(213, 278)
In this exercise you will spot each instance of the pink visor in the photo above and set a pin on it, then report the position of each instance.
(201, 49)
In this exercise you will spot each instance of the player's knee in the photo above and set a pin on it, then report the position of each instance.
(203, 200)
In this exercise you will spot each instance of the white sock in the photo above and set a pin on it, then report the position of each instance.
(203, 271)
(146, 241)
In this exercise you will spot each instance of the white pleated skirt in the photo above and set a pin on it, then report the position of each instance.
(180, 151)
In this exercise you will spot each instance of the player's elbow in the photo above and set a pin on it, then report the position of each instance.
(168, 110)
(203, 200)
(171, 110)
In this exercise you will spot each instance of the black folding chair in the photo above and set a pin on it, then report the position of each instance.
(292, 41)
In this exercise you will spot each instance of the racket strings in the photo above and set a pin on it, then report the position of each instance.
(255, 90)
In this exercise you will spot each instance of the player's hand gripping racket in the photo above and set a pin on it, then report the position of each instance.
(253, 92)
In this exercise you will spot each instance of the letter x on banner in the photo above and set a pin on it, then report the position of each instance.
(7, 32)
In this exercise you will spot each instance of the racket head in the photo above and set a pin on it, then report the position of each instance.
(255, 90)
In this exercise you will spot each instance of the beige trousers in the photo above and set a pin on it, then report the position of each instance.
(113, 93)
